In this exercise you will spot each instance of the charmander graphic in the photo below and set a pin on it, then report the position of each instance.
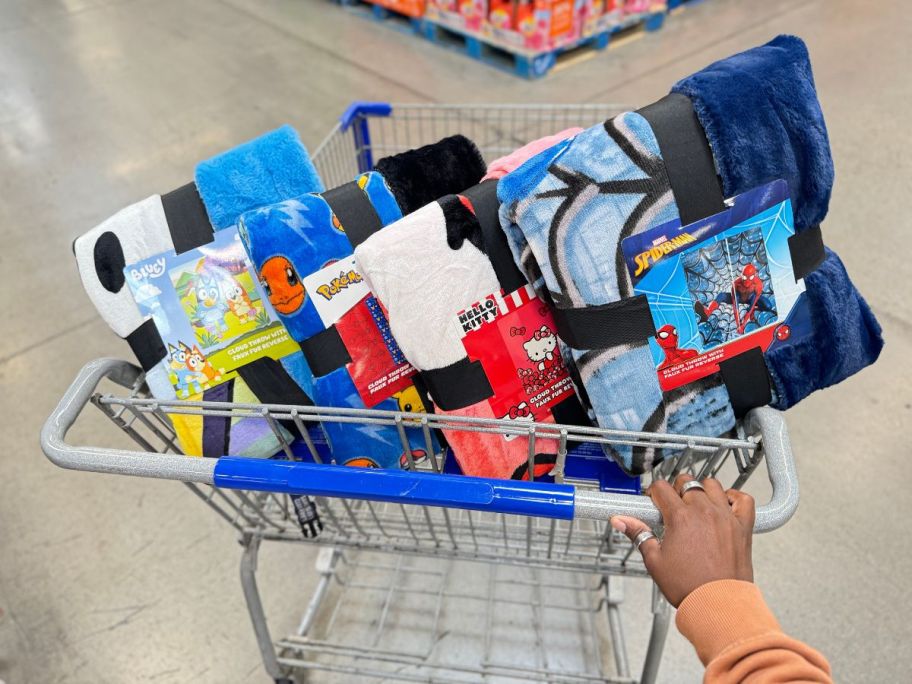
(282, 285)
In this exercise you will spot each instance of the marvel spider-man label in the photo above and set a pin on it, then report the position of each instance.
(719, 286)
(513, 337)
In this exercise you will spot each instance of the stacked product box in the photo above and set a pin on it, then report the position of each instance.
(409, 8)
(535, 25)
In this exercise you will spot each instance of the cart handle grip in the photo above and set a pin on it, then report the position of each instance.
(501, 496)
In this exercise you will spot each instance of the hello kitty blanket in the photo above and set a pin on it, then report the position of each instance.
(483, 352)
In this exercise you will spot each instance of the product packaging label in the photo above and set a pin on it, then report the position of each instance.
(342, 298)
(513, 337)
(335, 289)
(210, 312)
(719, 286)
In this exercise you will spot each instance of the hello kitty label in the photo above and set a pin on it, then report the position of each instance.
(513, 337)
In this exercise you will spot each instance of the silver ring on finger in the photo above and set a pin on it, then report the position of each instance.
(691, 484)
(643, 537)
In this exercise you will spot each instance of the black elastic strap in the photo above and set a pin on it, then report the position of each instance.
(271, 383)
(325, 352)
(687, 156)
(187, 218)
(484, 201)
(147, 344)
(216, 433)
(747, 379)
(355, 212)
(458, 385)
(807, 251)
(570, 411)
(422, 389)
(627, 321)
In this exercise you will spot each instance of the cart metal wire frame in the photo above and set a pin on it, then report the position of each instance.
(388, 603)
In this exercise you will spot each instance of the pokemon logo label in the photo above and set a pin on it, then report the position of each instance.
(643, 258)
(339, 283)
(152, 270)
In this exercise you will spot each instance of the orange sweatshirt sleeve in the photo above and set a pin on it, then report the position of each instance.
(739, 641)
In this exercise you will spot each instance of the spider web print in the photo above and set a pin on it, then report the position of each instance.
(710, 271)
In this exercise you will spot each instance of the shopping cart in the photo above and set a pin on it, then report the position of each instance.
(427, 576)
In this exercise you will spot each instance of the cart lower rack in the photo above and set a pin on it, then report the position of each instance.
(565, 558)
(424, 576)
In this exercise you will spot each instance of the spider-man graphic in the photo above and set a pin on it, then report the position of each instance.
(747, 289)
(667, 337)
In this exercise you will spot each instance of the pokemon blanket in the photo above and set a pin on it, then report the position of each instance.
(302, 249)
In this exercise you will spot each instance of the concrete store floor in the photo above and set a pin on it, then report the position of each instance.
(103, 102)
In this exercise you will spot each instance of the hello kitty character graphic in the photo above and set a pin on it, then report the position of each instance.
(519, 412)
(541, 349)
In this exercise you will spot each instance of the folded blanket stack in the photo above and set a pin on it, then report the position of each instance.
(260, 171)
(302, 249)
(425, 269)
(752, 118)
(760, 112)
(565, 213)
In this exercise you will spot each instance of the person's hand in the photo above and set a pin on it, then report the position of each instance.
(707, 536)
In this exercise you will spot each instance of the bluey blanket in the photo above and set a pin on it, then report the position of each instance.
(256, 171)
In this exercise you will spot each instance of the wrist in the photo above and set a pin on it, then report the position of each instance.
(719, 614)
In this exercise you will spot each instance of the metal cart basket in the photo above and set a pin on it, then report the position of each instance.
(426, 576)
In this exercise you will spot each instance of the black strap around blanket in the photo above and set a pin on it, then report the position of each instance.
(688, 158)
(458, 385)
(807, 251)
(147, 345)
(747, 380)
(355, 212)
(187, 219)
(627, 321)
(484, 201)
(325, 352)
(698, 193)
(271, 384)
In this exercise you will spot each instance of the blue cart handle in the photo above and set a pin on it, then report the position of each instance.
(501, 496)
(397, 486)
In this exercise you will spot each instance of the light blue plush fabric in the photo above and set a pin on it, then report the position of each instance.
(265, 170)
(565, 213)
(303, 231)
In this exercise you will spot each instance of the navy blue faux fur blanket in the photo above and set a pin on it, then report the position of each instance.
(761, 115)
